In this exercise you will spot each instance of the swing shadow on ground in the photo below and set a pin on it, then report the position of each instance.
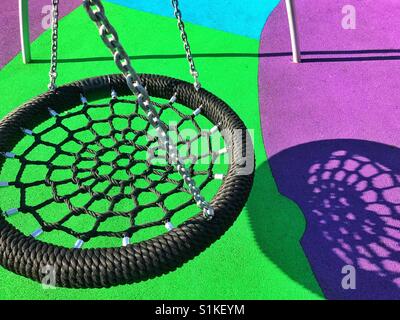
(348, 204)
(344, 56)
(278, 225)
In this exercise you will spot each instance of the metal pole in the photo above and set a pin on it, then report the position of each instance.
(24, 30)
(291, 12)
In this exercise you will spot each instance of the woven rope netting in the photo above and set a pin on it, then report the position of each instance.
(75, 173)
(96, 173)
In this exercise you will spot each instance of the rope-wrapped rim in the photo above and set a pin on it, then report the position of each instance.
(105, 267)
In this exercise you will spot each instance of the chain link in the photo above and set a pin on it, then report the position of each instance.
(108, 34)
(186, 45)
(54, 45)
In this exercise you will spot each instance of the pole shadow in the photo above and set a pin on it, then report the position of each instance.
(344, 56)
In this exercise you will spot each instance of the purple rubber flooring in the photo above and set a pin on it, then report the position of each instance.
(9, 24)
(331, 131)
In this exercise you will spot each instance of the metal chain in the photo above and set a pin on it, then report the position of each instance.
(186, 45)
(108, 34)
(54, 45)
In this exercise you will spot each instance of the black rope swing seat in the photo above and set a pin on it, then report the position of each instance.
(89, 163)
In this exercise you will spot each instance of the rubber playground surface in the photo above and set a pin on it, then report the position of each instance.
(319, 123)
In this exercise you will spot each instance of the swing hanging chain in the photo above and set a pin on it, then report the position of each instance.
(108, 34)
(54, 45)
(186, 45)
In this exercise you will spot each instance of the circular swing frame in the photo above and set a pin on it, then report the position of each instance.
(106, 267)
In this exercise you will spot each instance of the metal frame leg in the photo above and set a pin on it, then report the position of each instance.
(293, 31)
(24, 30)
